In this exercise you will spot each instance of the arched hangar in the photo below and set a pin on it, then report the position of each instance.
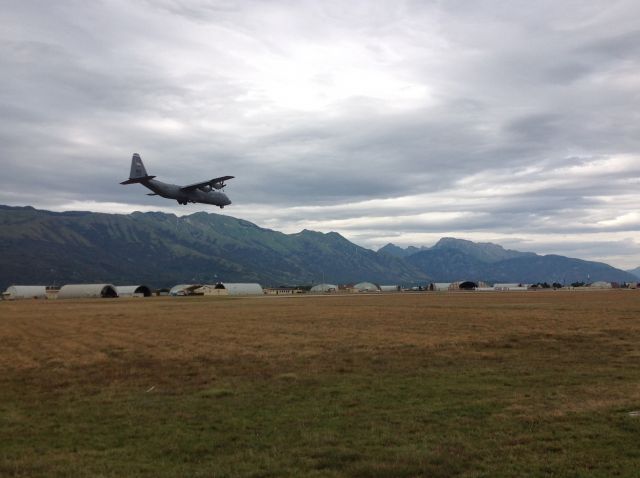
(133, 291)
(184, 289)
(81, 291)
(227, 288)
(366, 287)
(322, 288)
(467, 285)
(25, 292)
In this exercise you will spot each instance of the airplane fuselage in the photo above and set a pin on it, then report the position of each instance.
(173, 191)
(206, 192)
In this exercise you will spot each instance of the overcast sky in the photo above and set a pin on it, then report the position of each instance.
(514, 122)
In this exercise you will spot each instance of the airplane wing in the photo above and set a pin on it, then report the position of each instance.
(210, 182)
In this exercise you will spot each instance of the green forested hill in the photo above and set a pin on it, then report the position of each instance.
(42, 247)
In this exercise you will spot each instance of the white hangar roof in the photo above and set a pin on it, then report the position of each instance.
(366, 287)
(78, 291)
(131, 290)
(184, 289)
(26, 292)
(241, 288)
(324, 288)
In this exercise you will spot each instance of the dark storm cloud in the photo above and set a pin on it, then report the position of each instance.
(406, 120)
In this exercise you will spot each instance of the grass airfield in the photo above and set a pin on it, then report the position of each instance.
(399, 385)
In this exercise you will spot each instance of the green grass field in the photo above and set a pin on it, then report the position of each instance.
(406, 385)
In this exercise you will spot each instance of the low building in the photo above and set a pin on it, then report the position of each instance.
(505, 287)
(440, 286)
(389, 288)
(15, 292)
(133, 291)
(282, 291)
(85, 291)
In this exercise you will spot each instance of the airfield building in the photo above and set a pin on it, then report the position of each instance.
(282, 291)
(80, 291)
(601, 285)
(133, 291)
(366, 287)
(323, 288)
(25, 292)
(510, 287)
(440, 286)
(465, 285)
(390, 288)
(184, 289)
(226, 288)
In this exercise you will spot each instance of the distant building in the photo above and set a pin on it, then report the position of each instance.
(80, 291)
(440, 286)
(510, 287)
(324, 288)
(366, 287)
(282, 291)
(133, 291)
(464, 285)
(226, 288)
(601, 285)
(15, 292)
(184, 289)
(390, 288)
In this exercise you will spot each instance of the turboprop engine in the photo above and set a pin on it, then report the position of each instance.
(208, 187)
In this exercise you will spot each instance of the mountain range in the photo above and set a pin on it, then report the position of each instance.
(158, 249)
(635, 272)
(42, 247)
(450, 259)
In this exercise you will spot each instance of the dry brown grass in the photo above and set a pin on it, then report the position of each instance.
(267, 335)
(37, 334)
(523, 361)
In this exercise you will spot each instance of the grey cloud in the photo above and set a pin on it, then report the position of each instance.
(509, 87)
(613, 47)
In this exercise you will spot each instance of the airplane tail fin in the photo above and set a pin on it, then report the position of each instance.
(138, 172)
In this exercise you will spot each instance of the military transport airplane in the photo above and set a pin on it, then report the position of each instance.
(199, 192)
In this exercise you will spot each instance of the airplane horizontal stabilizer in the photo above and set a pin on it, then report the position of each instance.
(151, 194)
(140, 179)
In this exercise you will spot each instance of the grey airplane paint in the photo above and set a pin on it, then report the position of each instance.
(204, 192)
